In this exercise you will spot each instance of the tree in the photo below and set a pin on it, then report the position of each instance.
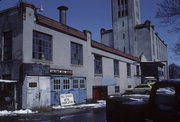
(174, 71)
(169, 13)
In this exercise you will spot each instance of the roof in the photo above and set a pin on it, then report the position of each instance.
(45, 21)
(113, 51)
(7, 81)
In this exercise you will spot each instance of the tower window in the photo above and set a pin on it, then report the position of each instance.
(123, 23)
(118, 2)
(123, 35)
(119, 14)
(125, 1)
(126, 12)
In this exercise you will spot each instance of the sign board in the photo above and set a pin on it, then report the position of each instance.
(61, 72)
(66, 99)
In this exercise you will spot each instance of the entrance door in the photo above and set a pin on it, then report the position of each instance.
(65, 85)
(99, 93)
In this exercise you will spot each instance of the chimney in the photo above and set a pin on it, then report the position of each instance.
(62, 14)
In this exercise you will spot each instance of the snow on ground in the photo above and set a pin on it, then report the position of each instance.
(99, 104)
(7, 113)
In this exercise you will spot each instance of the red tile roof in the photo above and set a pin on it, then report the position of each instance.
(45, 21)
(113, 51)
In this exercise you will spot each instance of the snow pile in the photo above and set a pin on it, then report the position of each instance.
(6, 113)
(99, 104)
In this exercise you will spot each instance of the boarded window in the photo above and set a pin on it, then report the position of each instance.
(76, 54)
(7, 45)
(116, 67)
(42, 46)
(75, 83)
(66, 84)
(97, 64)
(57, 84)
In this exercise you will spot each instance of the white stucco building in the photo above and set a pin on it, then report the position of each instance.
(48, 58)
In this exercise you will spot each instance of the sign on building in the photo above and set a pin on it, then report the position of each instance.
(66, 99)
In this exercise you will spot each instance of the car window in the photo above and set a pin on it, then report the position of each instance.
(166, 98)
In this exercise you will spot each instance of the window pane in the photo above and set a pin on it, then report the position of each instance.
(66, 84)
(76, 54)
(42, 46)
(75, 83)
(7, 45)
(82, 84)
(116, 67)
(57, 84)
(98, 64)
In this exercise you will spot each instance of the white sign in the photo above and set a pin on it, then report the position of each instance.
(67, 99)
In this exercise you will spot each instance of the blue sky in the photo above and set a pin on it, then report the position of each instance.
(93, 15)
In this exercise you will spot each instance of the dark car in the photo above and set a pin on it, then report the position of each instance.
(162, 106)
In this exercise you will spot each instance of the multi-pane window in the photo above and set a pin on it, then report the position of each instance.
(137, 70)
(116, 67)
(57, 84)
(76, 54)
(42, 46)
(75, 83)
(97, 64)
(123, 7)
(7, 45)
(128, 69)
(82, 84)
(117, 89)
(66, 84)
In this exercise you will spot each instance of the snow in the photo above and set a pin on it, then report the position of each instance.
(7, 113)
(99, 104)
(136, 95)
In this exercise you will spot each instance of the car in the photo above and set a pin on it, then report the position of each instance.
(163, 105)
(140, 89)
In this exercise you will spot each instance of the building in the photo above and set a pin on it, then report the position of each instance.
(48, 58)
(136, 39)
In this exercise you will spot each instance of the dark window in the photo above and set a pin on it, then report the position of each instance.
(122, 2)
(7, 45)
(137, 70)
(119, 13)
(123, 23)
(57, 84)
(122, 13)
(129, 86)
(124, 36)
(0, 50)
(117, 89)
(6, 76)
(118, 2)
(116, 67)
(128, 69)
(76, 54)
(42, 46)
(126, 12)
(125, 1)
(97, 64)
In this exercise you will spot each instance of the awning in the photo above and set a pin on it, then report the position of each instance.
(7, 81)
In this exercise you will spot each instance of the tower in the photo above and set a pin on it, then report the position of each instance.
(125, 16)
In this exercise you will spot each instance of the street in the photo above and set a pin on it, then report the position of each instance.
(89, 116)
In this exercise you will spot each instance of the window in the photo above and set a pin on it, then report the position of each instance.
(128, 69)
(57, 84)
(117, 89)
(97, 64)
(42, 46)
(66, 84)
(75, 83)
(123, 24)
(76, 54)
(119, 13)
(7, 45)
(116, 67)
(0, 50)
(118, 2)
(137, 70)
(82, 84)
(123, 35)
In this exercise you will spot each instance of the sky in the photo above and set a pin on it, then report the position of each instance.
(93, 15)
